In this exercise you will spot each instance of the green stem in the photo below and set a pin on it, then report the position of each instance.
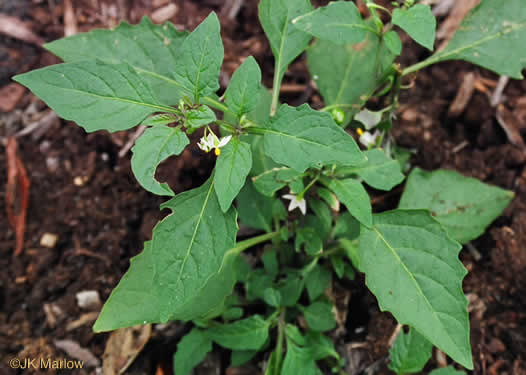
(243, 245)
(422, 64)
(276, 87)
(333, 106)
(300, 195)
(281, 338)
(217, 105)
(231, 128)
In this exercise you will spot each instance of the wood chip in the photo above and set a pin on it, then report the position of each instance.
(464, 94)
(70, 21)
(88, 299)
(497, 96)
(84, 319)
(508, 123)
(10, 96)
(165, 13)
(13, 27)
(74, 350)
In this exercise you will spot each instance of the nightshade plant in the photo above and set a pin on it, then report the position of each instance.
(167, 80)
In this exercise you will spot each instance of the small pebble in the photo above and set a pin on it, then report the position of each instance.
(88, 299)
(48, 240)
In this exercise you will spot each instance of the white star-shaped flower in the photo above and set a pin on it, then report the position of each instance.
(368, 139)
(210, 141)
(296, 203)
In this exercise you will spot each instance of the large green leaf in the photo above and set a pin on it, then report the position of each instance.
(410, 352)
(348, 75)
(255, 209)
(189, 248)
(464, 206)
(300, 137)
(286, 40)
(419, 22)
(492, 36)
(154, 146)
(244, 89)
(319, 316)
(94, 94)
(247, 334)
(449, 370)
(233, 165)
(150, 49)
(353, 195)
(380, 171)
(412, 267)
(134, 300)
(317, 281)
(340, 22)
(191, 350)
(197, 70)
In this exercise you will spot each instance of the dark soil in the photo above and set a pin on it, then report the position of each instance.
(83, 192)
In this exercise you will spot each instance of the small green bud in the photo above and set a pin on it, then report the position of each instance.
(338, 115)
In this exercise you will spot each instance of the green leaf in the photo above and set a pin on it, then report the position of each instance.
(449, 370)
(191, 350)
(298, 360)
(154, 146)
(189, 249)
(240, 357)
(380, 171)
(309, 237)
(317, 281)
(338, 265)
(410, 352)
(393, 42)
(492, 36)
(275, 179)
(199, 117)
(323, 213)
(197, 70)
(286, 41)
(302, 138)
(329, 197)
(464, 206)
(150, 49)
(347, 226)
(319, 316)
(257, 283)
(94, 94)
(321, 346)
(270, 262)
(340, 22)
(134, 300)
(232, 167)
(353, 195)
(255, 209)
(291, 290)
(272, 297)
(348, 75)
(412, 268)
(247, 334)
(419, 22)
(243, 92)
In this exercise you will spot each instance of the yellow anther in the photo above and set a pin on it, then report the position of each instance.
(359, 131)
(217, 151)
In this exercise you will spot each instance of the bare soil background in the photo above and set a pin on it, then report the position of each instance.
(83, 193)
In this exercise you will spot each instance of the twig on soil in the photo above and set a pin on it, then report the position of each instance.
(395, 334)
(508, 122)
(464, 94)
(497, 96)
(17, 195)
(13, 27)
(40, 126)
(474, 252)
(70, 21)
(124, 150)
(460, 147)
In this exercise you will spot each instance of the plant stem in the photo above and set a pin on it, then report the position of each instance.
(281, 337)
(300, 195)
(333, 106)
(243, 245)
(276, 86)
(217, 105)
(422, 64)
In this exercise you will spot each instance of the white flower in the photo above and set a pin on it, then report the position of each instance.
(211, 141)
(367, 139)
(296, 203)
